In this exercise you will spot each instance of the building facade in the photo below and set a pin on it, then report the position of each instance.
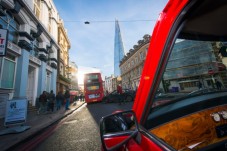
(108, 85)
(118, 49)
(132, 64)
(63, 80)
(73, 76)
(203, 65)
(30, 64)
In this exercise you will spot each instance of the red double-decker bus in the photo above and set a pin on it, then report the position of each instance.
(93, 87)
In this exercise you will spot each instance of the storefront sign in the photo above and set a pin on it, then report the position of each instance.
(16, 111)
(3, 41)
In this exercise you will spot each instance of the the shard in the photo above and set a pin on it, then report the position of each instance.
(118, 50)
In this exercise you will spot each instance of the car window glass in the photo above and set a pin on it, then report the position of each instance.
(196, 66)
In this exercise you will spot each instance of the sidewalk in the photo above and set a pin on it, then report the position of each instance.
(36, 123)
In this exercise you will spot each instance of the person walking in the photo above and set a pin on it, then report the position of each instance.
(76, 97)
(107, 93)
(218, 84)
(200, 85)
(80, 97)
(59, 100)
(67, 98)
(42, 102)
(119, 91)
(51, 99)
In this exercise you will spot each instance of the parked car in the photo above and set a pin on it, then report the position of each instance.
(127, 96)
(188, 38)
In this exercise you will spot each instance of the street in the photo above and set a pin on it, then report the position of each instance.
(79, 131)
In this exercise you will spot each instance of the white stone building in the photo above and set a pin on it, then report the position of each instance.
(30, 64)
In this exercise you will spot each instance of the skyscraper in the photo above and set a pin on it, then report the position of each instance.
(118, 49)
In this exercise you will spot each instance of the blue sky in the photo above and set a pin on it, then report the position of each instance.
(92, 45)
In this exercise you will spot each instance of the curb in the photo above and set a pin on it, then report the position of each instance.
(41, 130)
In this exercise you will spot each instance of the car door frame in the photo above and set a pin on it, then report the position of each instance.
(165, 32)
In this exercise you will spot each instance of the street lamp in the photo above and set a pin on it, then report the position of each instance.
(86, 22)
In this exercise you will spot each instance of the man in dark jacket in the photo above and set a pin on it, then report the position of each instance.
(67, 98)
(51, 99)
(119, 91)
(59, 100)
(42, 102)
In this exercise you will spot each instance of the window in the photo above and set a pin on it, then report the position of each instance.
(61, 69)
(48, 81)
(10, 23)
(37, 4)
(136, 60)
(132, 63)
(49, 25)
(7, 70)
(146, 51)
(141, 55)
(35, 51)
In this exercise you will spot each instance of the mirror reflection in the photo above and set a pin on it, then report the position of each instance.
(118, 123)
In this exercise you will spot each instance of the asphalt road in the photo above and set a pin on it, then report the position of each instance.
(80, 130)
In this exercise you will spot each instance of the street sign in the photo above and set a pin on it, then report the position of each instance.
(3, 41)
(210, 71)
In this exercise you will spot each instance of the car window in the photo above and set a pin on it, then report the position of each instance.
(196, 65)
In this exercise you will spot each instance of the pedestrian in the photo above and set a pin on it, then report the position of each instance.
(67, 98)
(107, 93)
(119, 91)
(83, 97)
(218, 84)
(59, 100)
(80, 97)
(200, 85)
(42, 102)
(76, 97)
(51, 98)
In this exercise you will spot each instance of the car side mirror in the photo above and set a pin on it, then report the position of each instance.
(117, 129)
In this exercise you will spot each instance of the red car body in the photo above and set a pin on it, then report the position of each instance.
(166, 28)
(158, 39)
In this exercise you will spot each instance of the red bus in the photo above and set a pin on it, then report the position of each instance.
(93, 87)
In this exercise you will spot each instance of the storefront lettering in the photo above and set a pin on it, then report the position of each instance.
(2, 40)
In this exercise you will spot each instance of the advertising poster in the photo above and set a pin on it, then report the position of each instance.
(3, 41)
(16, 111)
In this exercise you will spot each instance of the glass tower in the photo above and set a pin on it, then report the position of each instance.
(118, 49)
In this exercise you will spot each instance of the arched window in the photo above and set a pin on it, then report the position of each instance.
(10, 23)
